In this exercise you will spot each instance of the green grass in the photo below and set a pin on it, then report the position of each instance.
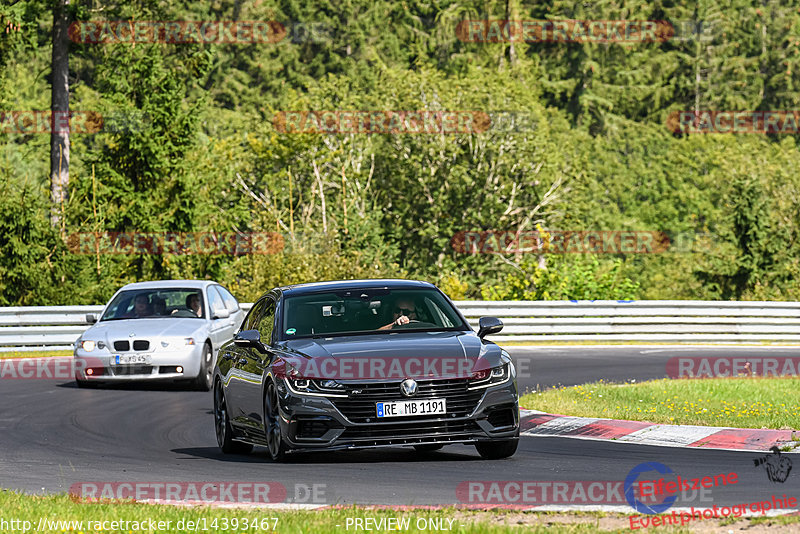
(734, 402)
(17, 507)
(36, 354)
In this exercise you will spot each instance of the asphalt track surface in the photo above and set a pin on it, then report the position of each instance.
(53, 435)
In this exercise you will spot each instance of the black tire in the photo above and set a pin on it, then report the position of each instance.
(496, 450)
(222, 426)
(205, 378)
(272, 425)
(431, 447)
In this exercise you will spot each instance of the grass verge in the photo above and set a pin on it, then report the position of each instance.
(36, 354)
(18, 508)
(735, 402)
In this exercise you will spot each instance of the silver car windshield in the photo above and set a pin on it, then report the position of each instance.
(356, 312)
(156, 303)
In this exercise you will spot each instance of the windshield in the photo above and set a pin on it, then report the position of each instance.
(370, 311)
(169, 302)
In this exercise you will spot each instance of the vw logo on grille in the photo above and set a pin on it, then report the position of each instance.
(408, 387)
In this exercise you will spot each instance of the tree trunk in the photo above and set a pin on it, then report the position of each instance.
(59, 107)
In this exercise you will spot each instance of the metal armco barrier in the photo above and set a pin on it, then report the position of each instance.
(58, 327)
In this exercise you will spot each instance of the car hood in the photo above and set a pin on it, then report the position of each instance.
(168, 327)
(395, 356)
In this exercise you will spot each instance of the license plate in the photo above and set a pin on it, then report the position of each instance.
(411, 407)
(125, 359)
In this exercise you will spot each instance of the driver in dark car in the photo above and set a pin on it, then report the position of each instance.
(404, 312)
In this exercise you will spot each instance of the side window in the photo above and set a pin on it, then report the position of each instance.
(215, 302)
(255, 312)
(267, 322)
(230, 302)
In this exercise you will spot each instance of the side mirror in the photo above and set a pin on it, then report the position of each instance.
(91, 318)
(249, 338)
(488, 326)
(221, 314)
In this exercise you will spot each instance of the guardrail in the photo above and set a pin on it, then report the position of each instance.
(58, 327)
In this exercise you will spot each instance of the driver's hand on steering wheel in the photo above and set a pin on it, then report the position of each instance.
(402, 320)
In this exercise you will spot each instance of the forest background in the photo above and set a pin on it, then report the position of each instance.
(195, 148)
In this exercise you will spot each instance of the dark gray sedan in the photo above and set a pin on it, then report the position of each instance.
(364, 363)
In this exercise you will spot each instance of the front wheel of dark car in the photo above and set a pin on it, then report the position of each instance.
(496, 450)
(272, 424)
(222, 426)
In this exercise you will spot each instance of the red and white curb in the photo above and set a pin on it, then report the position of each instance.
(535, 423)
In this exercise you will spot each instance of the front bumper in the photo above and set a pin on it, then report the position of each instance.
(163, 365)
(320, 422)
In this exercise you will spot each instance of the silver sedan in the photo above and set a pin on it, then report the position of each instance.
(167, 330)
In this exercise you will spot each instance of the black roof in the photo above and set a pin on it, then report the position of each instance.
(343, 285)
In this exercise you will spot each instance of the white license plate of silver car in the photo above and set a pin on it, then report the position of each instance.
(132, 359)
(411, 407)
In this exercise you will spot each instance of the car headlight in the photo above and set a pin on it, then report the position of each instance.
(500, 373)
(491, 377)
(314, 388)
(88, 345)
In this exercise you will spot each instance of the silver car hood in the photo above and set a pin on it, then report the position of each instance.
(167, 327)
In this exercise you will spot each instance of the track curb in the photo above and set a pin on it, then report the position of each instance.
(535, 423)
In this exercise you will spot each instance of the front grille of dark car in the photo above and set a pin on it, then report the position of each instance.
(122, 345)
(124, 370)
(381, 433)
(141, 344)
(360, 407)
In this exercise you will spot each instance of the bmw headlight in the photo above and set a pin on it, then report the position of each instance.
(88, 345)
